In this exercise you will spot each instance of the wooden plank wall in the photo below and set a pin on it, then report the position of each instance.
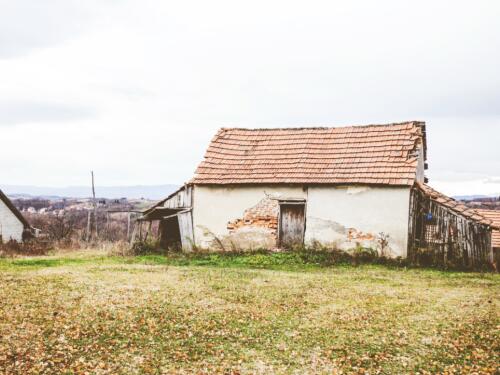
(186, 230)
(181, 199)
(439, 236)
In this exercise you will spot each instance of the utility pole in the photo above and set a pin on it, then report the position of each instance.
(95, 203)
(128, 225)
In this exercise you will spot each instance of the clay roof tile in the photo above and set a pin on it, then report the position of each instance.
(371, 154)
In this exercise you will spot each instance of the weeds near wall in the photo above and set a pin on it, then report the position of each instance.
(429, 257)
(147, 246)
(383, 241)
(261, 258)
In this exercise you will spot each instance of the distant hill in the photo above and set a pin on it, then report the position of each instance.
(474, 197)
(152, 192)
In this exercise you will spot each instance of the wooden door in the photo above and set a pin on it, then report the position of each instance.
(292, 225)
(186, 230)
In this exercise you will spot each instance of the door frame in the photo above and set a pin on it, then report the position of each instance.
(290, 202)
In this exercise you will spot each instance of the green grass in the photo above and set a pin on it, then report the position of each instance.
(286, 261)
(281, 261)
(254, 313)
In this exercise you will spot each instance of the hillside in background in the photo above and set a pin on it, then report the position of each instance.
(475, 197)
(482, 202)
(152, 192)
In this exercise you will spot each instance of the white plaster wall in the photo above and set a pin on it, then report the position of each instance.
(332, 211)
(215, 206)
(10, 226)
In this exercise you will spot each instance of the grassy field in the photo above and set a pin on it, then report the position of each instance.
(87, 312)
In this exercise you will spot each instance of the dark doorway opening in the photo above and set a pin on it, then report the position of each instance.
(170, 234)
(291, 224)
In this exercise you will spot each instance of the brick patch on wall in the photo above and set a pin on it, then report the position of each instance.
(263, 215)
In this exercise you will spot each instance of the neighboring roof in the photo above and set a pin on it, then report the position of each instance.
(454, 205)
(494, 216)
(162, 202)
(158, 213)
(370, 154)
(14, 210)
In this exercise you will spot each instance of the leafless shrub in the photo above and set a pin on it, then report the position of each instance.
(32, 247)
(383, 241)
(69, 228)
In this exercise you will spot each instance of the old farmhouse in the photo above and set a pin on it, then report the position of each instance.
(340, 187)
(13, 226)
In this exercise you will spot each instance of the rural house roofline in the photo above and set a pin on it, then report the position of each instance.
(305, 127)
(421, 124)
(14, 210)
(381, 154)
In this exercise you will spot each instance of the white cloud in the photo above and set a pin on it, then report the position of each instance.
(26, 25)
(474, 187)
(16, 112)
(159, 77)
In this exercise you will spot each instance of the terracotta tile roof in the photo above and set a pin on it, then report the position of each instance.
(455, 206)
(494, 216)
(371, 154)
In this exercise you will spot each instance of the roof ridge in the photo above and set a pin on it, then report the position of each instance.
(413, 122)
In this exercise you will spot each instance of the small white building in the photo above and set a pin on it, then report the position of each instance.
(13, 226)
(339, 187)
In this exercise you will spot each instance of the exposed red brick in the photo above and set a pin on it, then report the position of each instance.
(264, 215)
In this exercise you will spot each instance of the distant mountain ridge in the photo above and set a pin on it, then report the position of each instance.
(153, 192)
(474, 197)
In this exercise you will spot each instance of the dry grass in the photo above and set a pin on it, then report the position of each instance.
(81, 312)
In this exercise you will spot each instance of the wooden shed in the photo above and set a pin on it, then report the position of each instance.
(174, 214)
(445, 231)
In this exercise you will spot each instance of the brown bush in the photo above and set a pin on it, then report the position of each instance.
(31, 247)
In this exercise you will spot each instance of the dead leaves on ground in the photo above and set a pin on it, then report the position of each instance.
(339, 321)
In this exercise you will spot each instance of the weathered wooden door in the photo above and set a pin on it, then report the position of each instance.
(186, 230)
(292, 225)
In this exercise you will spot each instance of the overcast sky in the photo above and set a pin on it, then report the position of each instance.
(136, 89)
